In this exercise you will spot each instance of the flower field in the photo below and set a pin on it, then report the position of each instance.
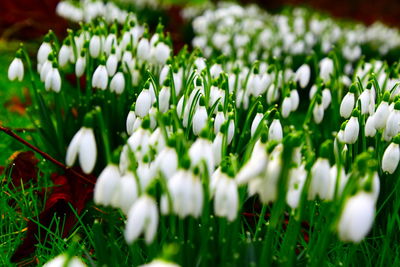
(234, 137)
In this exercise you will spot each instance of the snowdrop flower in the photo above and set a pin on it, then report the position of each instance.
(53, 79)
(226, 196)
(326, 69)
(126, 192)
(391, 158)
(318, 112)
(16, 69)
(231, 129)
(219, 119)
(111, 40)
(365, 99)
(164, 97)
(286, 107)
(139, 140)
(357, 217)
(295, 99)
(275, 131)
(348, 102)
(143, 102)
(143, 49)
(83, 144)
(256, 121)
(326, 98)
(186, 192)
(272, 94)
(320, 179)
(160, 263)
(343, 178)
(130, 120)
(65, 261)
(95, 46)
(297, 178)
(370, 127)
(201, 150)
(161, 53)
(217, 147)
(352, 129)
(106, 185)
(255, 165)
(167, 161)
(65, 54)
(117, 84)
(44, 50)
(80, 66)
(215, 70)
(112, 64)
(382, 113)
(303, 75)
(393, 122)
(100, 77)
(266, 184)
(142, 218)
(46, 67)
(200, 117)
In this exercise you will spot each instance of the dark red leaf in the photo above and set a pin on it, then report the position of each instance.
(23, 168)
(68, 189)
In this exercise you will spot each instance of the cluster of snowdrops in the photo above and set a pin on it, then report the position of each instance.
(198, 133)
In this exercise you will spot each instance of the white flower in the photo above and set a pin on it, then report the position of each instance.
(100, 78)
(343, 179)
(381, 115)
(53, 80)
(109, 42)
(130, 120)
(142, 217)
(393, 123)
(64, 55)
(80, 66)
(347, 105)
(255, 165)
(218, 121)
(139, 141)
(231, 130)
(226, 197)
(286, 107)
(43, 52)
(143, 49)
(326, 69)
(351, 131)
(160, 263)
(64, 260)
(16, 70)
(297, 178)
(126, 192)
(167, 162)
(357, 217)
(46, 67)
(326, 98)
(95, 46)
(256, 121)
(391, 158)
(199, 120)
(266, 185)
(186, 193)
(217, 147)
(106, 185)
(365, 99)
(318, 113)
(275, 131)
(162, 52)
(112, 64)
(370, 127)
(163, 99)
(295, 99)
(303, 75)
(117, 84)
(143, 103)
(200, 150)
(320, 179)
(84, 144)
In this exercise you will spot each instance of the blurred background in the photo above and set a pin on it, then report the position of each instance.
(27, 19)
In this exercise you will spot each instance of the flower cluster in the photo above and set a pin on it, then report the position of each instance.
(249, 33)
